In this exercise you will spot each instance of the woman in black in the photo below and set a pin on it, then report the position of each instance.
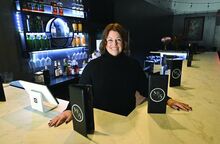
(115, 78)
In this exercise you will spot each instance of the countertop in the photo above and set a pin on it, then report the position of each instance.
(200, 88)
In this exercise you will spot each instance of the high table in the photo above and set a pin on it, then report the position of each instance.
(200, 88)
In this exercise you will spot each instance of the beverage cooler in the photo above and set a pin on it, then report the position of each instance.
(52, 35)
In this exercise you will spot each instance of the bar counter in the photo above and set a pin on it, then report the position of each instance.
(200, 88)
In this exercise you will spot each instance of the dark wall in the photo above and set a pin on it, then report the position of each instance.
(146, 24)
(9, 53)
(100, 13)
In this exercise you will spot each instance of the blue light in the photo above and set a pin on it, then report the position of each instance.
(18, 7)
(58, 54)
(18, 22)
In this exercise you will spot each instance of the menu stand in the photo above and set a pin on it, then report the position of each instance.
(82, 108)
(175, 73)
(157, 93)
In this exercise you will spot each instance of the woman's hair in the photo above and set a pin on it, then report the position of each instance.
(122, 32)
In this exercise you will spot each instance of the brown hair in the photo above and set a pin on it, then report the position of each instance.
(123, 33)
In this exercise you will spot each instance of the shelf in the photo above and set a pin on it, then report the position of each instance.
(59, 50)
(47, 9)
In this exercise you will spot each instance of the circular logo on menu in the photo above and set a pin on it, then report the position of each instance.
(77, 113)
(176, 73)
(157, 94)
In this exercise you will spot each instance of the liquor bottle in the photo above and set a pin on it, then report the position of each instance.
(56, 70)
(65, 65)
(39, 26)
(69, 68)
(25, 5)
(46, 74)
(76, 68)
(59, 68)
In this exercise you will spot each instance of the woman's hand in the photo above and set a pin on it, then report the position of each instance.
(65, 116)
(178, 105)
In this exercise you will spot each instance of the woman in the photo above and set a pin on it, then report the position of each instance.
(116, 78)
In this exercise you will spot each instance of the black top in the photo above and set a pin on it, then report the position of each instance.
(114, 80)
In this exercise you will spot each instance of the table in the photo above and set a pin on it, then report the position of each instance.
(19, 124)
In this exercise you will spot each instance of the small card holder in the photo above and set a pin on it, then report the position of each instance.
(39, 103)
(82, 108)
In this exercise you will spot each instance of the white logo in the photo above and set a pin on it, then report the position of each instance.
(77, 113)
(176, 73)
(157, 95)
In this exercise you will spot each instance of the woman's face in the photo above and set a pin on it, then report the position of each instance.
(114, 43)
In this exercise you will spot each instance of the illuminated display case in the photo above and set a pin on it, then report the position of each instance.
(52, 30)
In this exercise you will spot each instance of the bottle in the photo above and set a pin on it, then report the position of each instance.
(79, 25)
(46, 74)
(41, 5)
(76, 68)
(42, 41)
(53, 30)
(29, 41)
(83, 40)
(32, 44)
(45, 41)
(74, 5)
(74, 26)
(69, 67)
(54, 7)
(81, 7)
(77, 40)
(59, 68)
(74, 41)
(65, 65)
(56, 70)
(38, 42)
(28, 23)
(39, 25)
(60, 7)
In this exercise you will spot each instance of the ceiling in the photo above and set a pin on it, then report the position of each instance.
(187, 6)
